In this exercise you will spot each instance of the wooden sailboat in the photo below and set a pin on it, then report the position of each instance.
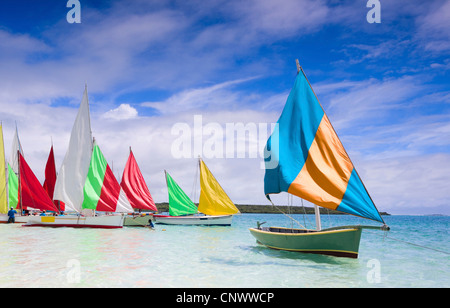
(217, 207)
(4, 204)
(138, 194)
(86, 183)
(305, 158)
(30, 193)
(10, 196)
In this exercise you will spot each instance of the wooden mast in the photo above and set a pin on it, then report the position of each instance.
(316, 207)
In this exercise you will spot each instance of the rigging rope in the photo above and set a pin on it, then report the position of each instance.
(384, 233)
(287, 215)
(410, 243)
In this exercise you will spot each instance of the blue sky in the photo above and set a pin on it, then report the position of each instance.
(151, 64)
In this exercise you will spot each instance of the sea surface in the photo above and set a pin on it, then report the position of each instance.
(415, 253)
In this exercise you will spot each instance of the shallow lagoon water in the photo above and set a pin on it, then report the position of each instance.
(223, 257)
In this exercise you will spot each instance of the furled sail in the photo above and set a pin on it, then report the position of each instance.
(135, 188)
(305, 157)
(213, 199)
(179, 203)
(74, 169)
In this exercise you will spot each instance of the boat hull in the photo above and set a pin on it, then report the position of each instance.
(219, 220)
(137, 221)
(337, 242)
(104, 222)
(18, 219)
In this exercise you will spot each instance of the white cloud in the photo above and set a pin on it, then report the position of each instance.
(123, 112)
(282, 18)
(352, 104)
(433, 27)
(218, 96)
(409, 184)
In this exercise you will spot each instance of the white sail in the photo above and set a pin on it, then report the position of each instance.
(16, 147)
(123, 204)
(74, 169)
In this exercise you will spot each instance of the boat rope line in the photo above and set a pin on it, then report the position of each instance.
(287, 215)
(410, 243)
(384, 234)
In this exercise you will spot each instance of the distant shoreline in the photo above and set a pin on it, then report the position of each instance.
(270, 209)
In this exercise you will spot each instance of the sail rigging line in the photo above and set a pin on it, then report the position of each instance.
(292, 218)
(299, 68)
(305, 214)
(409, 243)
(291, 210)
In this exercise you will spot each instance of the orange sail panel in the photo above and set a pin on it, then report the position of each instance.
(32, 193)
(135, 188)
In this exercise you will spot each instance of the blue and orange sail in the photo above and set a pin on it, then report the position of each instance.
(305, 157)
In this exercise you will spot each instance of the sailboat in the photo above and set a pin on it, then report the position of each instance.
(86, 183)
(137, 192)
(4, 208)
(214, 203)
(16, 193)
(29, 193)
(305, 158)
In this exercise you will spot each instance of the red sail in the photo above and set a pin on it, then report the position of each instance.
(33, 195)
(50, 179)
(133, 184)
(50, 174)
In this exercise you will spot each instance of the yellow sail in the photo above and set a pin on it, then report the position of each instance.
(3, 196)
(213, 199)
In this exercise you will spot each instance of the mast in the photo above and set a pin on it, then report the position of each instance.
(317, 213)
(316, 207)
(20, 184)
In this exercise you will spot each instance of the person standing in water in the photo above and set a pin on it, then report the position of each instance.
(11, 215)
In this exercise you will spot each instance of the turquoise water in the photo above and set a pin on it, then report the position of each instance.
(206, 257)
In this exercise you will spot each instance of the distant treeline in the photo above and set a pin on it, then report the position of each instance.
(269, 209)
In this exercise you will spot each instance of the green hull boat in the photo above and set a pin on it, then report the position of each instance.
(335, 242)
